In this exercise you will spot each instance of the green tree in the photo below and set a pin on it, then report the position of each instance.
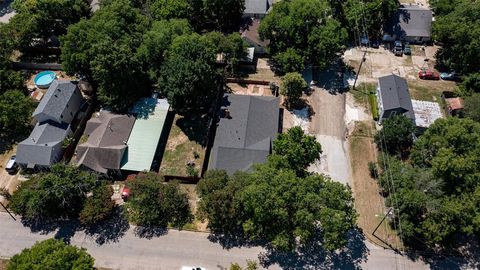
(51, 254)
(396, 136)
(15, 112)
(292, 87)
(220, 15)
(470, 84)
(170, 9)
(458, 30)
(295, 150)
(45, 18)
(104, 50)
(472, 107)
(321, 38)
(232, 47)
(154, 203)
(9, 79)
(188, 76)
(289, 61)
(59, 193)
(98, 206)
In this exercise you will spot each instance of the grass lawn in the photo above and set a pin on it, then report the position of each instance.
(186, 144)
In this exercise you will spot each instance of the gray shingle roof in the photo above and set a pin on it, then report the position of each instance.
(411, 21)
(43, 143)
(257, 6)
(245, 137)
(54, 105)
(106, 144)
(394, 92)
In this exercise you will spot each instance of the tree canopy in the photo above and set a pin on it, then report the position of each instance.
(457, 27)
(292, 87)
(396, 135)
(9, 79)
(472, 107)
(56, 194)
(437, 196)
(51, 254)
(103, 49)
(42, 19)
(154, 203)
(15, 112)
(188, 76)
(295, 150)
(98, 206)
(307, 26)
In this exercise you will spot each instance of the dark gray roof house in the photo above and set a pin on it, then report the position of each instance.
(256, 8)
(54, 114)
(107, 142)
(247, 127)
(410, 23)
(393, 97)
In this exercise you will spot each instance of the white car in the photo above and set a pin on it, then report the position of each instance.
(193, 268)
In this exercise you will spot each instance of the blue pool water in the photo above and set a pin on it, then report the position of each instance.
(44, 79)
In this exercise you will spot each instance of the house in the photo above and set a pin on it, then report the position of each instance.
(393, 97)
(256, 8)
(54, 115)
(411, 23)
(150, 115)
(106, 142)
(245, 131)
(252, 38)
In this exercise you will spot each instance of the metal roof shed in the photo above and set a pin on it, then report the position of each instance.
(142, 143)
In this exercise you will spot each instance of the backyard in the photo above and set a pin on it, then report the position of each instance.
(185, 148)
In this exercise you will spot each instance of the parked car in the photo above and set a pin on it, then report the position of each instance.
(398, 48)
(450, 76)
(12, 165)
(407, 50)
(192, 268)
(426, 74)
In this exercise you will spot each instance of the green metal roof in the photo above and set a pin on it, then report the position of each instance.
(142, 143)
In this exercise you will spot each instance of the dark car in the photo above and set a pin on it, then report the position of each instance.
(398, 48)
(426, 74)
(450, 76)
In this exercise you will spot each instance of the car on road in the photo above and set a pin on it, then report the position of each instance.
(426, 74)
(407, 50)
(193, 268)
(12, 165)
(398, 48)
(450, 76)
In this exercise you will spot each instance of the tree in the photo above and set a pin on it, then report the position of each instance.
(289, 61)
(9, 79)
(45, 18)
(458, 30)
(170, 9)
(98, 206)
(232, 47)
(154, 203)
(156, 42)
(321, 38)
(472, 107)
(188, 75)
(295, 150)
(396, 136)
(104, 50)
(292, 87)
(218, 15)
(56, 194)
(51, 254)
(15, 112)
(470, 84)
(278, 206)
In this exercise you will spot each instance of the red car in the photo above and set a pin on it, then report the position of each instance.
(426, 74)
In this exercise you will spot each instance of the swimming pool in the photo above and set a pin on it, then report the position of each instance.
(44, 79)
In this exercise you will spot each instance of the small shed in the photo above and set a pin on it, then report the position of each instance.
(454, 106)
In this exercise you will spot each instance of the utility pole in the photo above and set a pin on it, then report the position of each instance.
(359, 68)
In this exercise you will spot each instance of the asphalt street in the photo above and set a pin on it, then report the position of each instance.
(177, 248)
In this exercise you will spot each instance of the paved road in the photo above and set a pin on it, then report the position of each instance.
(177, 248)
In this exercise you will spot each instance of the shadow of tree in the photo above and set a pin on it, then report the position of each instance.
(195, 127)
(232, 240)
(313, 256)
(333, 78)
(111, 229)
(65, 229)
(149, 232)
